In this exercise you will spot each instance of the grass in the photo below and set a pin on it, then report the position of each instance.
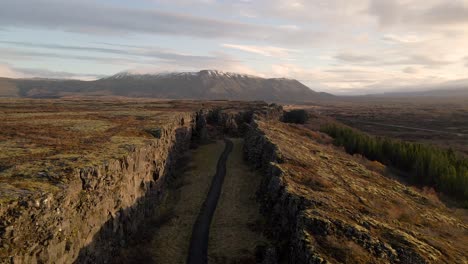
(235, 233)
(353, 191)
(59, 136)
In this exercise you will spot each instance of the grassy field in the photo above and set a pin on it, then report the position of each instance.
(43, 141)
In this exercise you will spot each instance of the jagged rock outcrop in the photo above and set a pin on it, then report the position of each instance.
(94, 213)
(235, 123)
(324, 206)
(283, 209)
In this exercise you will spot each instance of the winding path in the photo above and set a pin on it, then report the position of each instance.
(198, 250)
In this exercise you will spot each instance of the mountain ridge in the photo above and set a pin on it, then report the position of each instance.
(213, 73)
(201, 85)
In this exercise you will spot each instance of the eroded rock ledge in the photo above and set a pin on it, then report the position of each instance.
(94, 213)
(282, 208)
(324, 206)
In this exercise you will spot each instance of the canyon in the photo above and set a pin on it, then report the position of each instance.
(123, 182)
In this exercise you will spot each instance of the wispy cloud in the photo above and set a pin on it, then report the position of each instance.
(131, 54)
(350, 57)
(8, 71)
(268, 51)
(104, 19)
(412, 13)
(395, 59)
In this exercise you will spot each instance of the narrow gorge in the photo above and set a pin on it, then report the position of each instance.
(103, 209)
(251, 188)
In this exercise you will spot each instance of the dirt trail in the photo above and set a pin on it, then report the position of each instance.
(236, 231)
(166, 237)
(213, 197)
(198, 251)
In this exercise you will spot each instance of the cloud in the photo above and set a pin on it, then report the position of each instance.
(336, 45)
(28, 55)
(8, 71)
(268, 51)
(422, 60)
(387, 12)
(354, 80)
(141, 58)
(101, 19)
(63, 47)
(348, 57)
(451, 12)
(411, 13)
(402, 39)
(225, 65)
(391, 59)
(410, 70)
(31, 73)
(129, 55)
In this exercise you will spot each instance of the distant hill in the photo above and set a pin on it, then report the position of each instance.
(457, 88)
(457, 92)
(205, 84)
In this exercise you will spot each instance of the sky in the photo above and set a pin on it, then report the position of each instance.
(337, 46)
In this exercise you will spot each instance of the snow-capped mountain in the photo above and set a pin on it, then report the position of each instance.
(210, 84)
(205, 84)
(209, 73)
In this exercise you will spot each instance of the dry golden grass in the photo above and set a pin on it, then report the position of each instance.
(345, 251)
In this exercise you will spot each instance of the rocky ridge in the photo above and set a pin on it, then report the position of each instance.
(94, 213)
(325, 206)
(100, 207)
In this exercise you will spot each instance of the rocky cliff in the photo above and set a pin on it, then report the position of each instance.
(94, 213)
(325, 206)
(283, 209)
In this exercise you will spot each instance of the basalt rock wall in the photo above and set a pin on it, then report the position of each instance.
(283, 209)
(96, 211)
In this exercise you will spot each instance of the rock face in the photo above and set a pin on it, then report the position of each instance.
(283, 209)
(236, 123)
(325, 206)
(97, 211)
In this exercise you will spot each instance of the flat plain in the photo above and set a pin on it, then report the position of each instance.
(442, 122)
